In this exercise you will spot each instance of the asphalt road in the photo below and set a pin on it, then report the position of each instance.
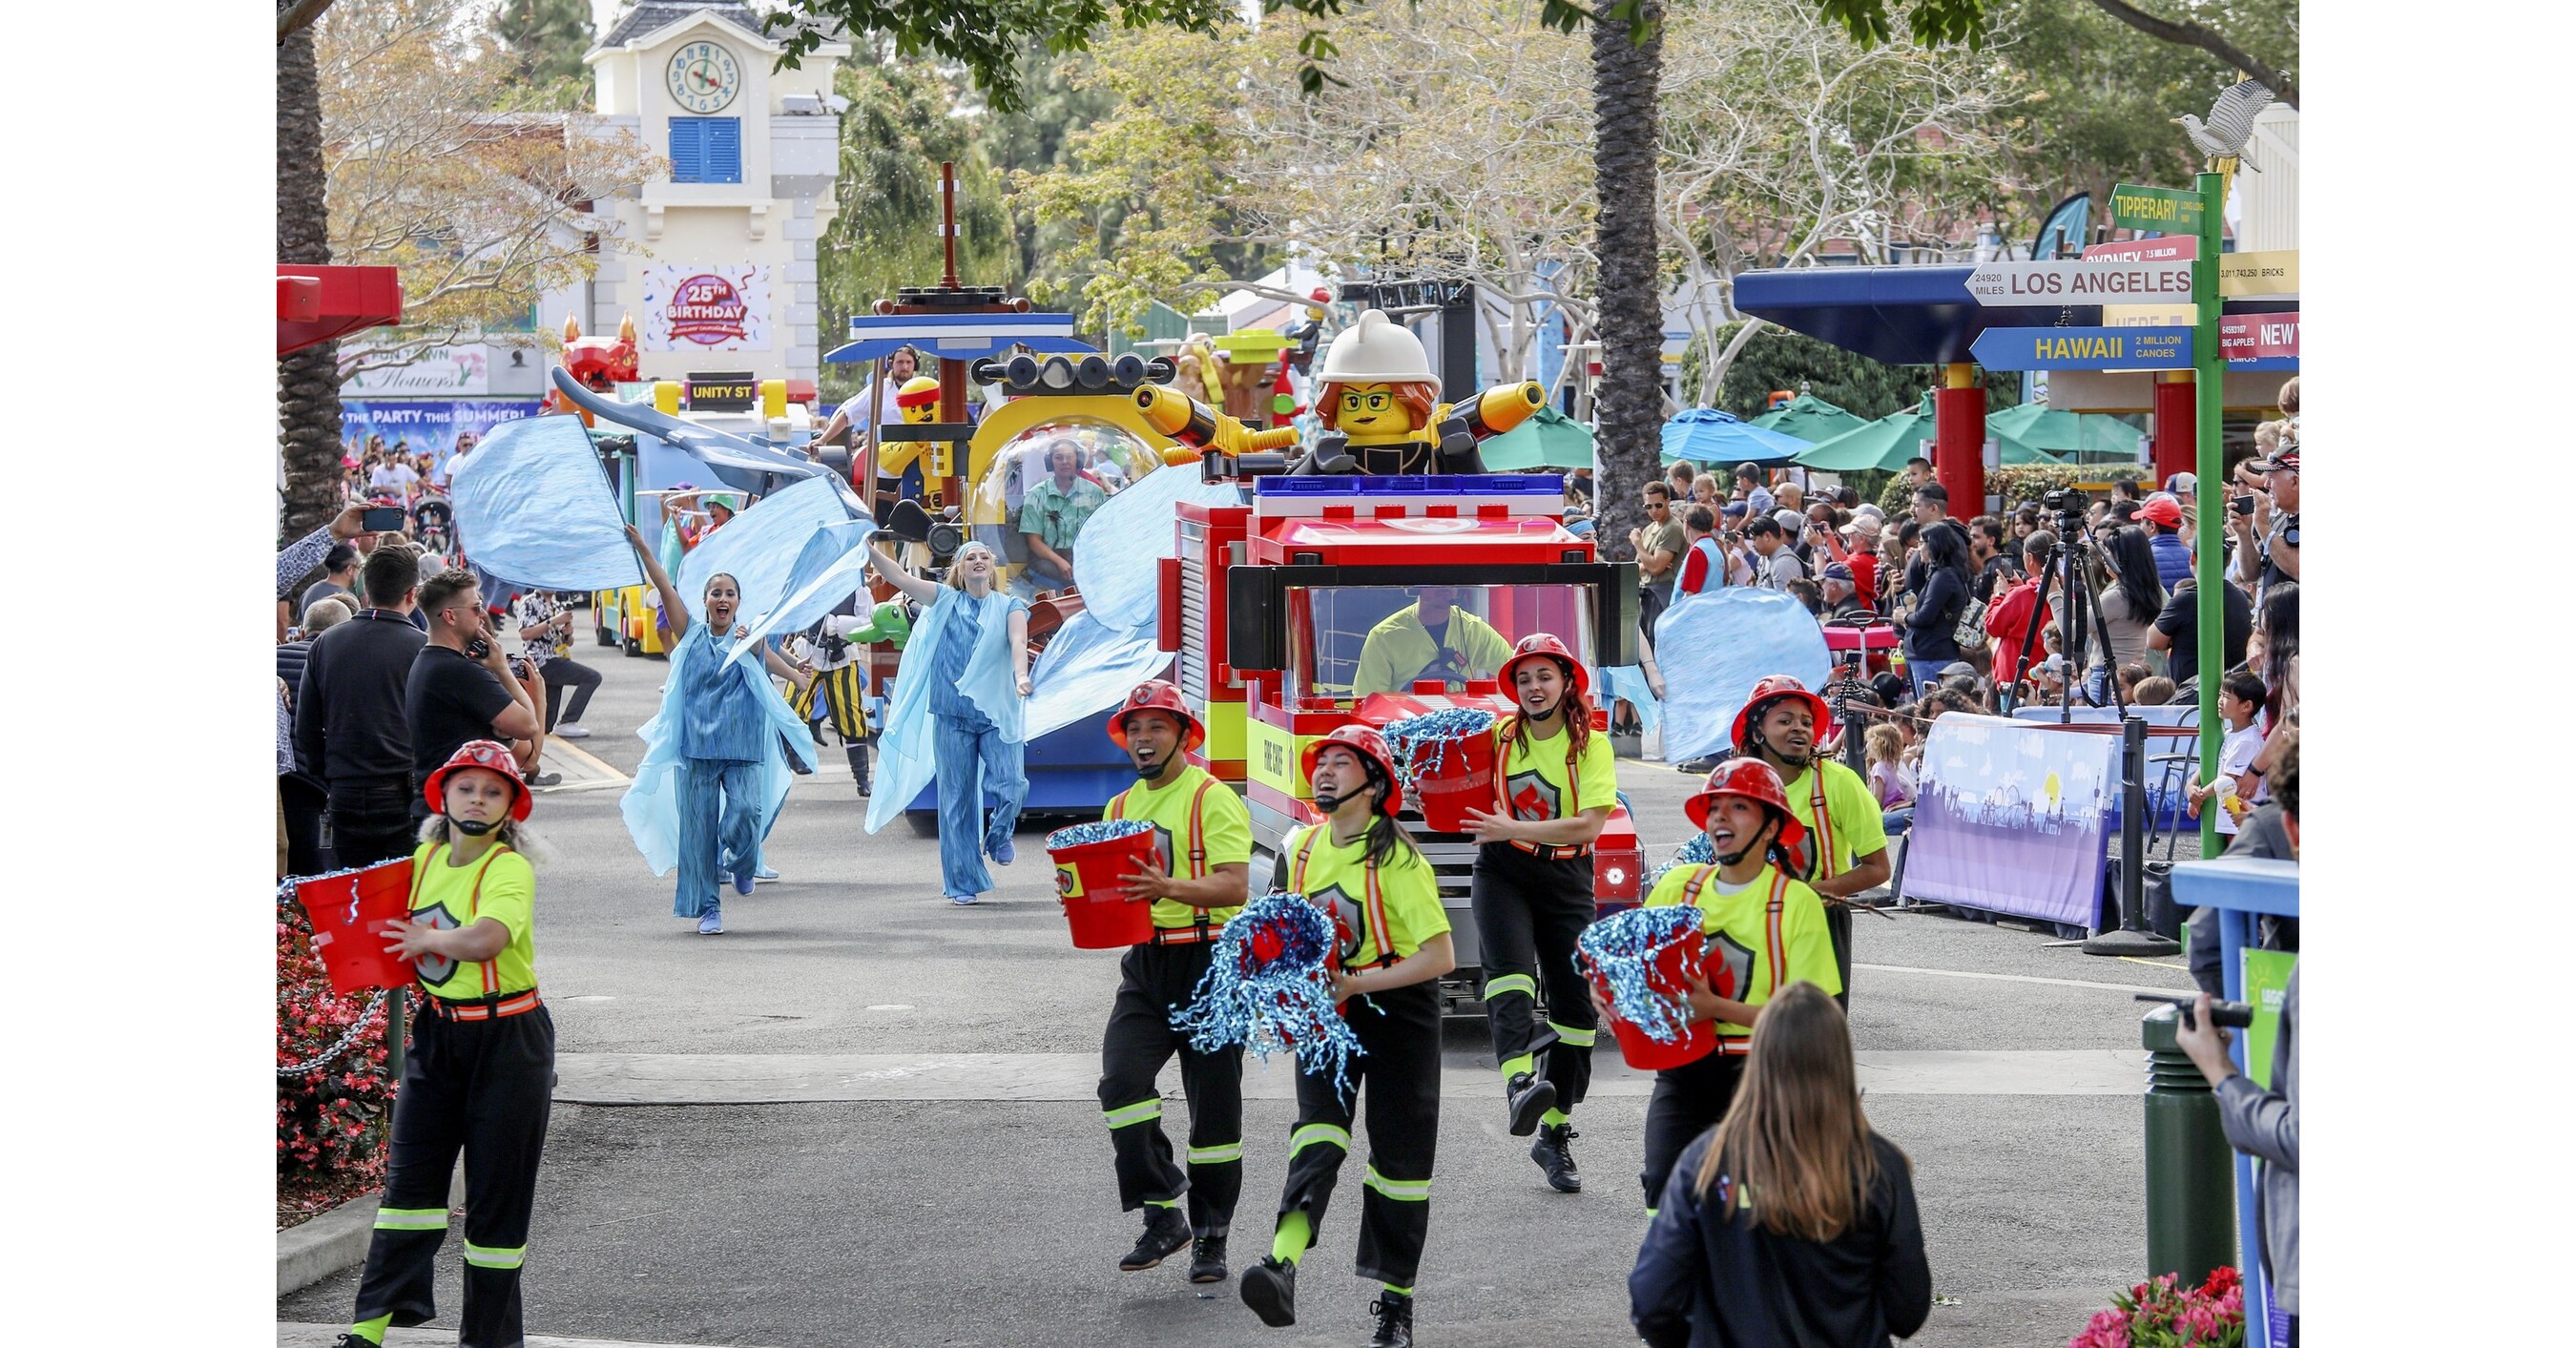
(995, 1223)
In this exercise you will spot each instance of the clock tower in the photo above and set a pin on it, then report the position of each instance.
(719, 271)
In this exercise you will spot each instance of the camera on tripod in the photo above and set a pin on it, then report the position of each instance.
(2068, 503)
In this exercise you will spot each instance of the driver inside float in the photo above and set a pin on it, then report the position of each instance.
(1430, 638)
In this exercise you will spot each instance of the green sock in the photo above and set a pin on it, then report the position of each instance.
(1162, 1202)
(1515, 1066)
(1399, 1291)
(1555, 1118)
(373, 1331)
(1295, 1230)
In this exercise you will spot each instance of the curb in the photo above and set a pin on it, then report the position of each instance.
(310, 1251)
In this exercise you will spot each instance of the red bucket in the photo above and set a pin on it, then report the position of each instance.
(349, 913)
(1643, 1051)
(1087, 880)
(1451, 777)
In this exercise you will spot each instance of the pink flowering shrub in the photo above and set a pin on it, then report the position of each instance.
(331, 1118)
(2159, 1315)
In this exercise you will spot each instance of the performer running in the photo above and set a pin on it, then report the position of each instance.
(479, 1071)
(715, 764)
(1359, 866)
(1554, 784)
(1765, 931)
(1845, 849)
(1202, 867)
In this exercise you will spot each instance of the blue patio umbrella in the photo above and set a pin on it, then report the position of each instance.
(1706, 435)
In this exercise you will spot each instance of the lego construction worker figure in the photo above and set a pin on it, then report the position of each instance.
(1196, 881)
(479, 1073)
(1554, 785)
(1359, 865)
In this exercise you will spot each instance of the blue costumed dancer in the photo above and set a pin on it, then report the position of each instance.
(956, 715)
(715, 764)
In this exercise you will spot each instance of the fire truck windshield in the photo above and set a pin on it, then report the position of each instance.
(1348, 641)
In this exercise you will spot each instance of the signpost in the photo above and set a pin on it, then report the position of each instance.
(2260, 341)
(2160, 209)
(2155, 348)
(2246, 275)
(2054, 284)
(2209, 375)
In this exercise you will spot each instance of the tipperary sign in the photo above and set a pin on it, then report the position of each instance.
(2083, 348)
(2108, 281)
(2161, 209)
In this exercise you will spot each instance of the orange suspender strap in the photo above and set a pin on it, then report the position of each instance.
(1297, 876)
(1771, 919)
(1198, 836)
(474, 912)
(1384, 936)
(1824, 822)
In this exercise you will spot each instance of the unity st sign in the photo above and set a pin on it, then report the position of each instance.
(2103, 281)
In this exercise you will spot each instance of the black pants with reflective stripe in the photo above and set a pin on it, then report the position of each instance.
(1155, 980)
(1401, 1073)
(1688, 1101)
(484, 1087)
(1838, 929)
(1528, 912)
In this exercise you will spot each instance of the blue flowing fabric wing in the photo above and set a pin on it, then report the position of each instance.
(1087, 668)
(533, 507)
(1715, 646)
(1629, 681)
(832, 567)
(760, 546)
(1117, 561)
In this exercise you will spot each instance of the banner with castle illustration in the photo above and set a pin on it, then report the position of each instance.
(704, 308)
(2010, 817)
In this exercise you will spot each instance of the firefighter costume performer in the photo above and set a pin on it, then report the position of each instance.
(1203, 862)
(1845, 848)
(1554, 784)
(1765, 931)
(479, 1073)
(1393, 939)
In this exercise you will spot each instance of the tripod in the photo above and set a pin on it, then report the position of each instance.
(2079, 616)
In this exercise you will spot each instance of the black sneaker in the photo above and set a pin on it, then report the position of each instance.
(1394, 1312)
(1555, 1156)
(1270, 1289)
(1207, 1259)
(1166, 1231)
(1528, 1097)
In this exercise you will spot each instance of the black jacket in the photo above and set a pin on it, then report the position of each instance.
(1928, 637)
(1705, 1283)
(349, 723)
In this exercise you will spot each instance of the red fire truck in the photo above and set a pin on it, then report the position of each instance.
(1270, 607)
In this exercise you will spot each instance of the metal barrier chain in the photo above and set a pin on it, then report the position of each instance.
(341, 1044)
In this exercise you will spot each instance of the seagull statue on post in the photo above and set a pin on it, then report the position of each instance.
(2230, 125)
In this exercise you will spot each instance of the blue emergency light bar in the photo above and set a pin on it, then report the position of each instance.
(1550, 485)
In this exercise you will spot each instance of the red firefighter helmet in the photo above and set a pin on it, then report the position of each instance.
(1368, 744)
(1771, 689)
(484, 754)
(1542, 644)
(1163, 696)
(1752, 779)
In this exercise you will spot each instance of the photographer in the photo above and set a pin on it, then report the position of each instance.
(545, 624)
(461, 687)
(1946, 577)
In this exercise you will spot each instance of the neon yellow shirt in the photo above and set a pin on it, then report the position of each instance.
(1769, 934)
(1378, 913)
(1545, 779)
(1400, 650)
(1199, 825)
(1854, 821)
(500, 887)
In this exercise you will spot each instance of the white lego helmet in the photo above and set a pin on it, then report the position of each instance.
(1376, 351)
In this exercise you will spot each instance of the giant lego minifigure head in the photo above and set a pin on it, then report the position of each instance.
(1377, 383)
(919, 399)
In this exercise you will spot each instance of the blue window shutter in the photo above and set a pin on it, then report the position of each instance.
(723, 150)
(688, 149)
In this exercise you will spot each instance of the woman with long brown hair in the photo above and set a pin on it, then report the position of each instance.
(1791, 1224)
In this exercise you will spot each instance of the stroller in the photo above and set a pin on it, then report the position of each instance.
(436, 520)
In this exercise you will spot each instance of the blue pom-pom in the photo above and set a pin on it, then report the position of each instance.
(1079, 834)
(1269, 986)
(1621, 949)
(1435, 731)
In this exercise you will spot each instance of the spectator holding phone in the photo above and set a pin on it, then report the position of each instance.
(461, 687)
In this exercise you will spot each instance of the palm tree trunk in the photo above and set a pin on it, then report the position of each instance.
(308, 382)
(1626, 75)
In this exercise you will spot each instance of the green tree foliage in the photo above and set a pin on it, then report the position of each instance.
(900, 127)
(542, 42)
(1780, 360)
(1062, 99)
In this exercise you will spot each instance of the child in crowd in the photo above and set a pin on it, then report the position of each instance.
(2155, 690)
(1889, 778)
(2131, 675)
(2237, 786)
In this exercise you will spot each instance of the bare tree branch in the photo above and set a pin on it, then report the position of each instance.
(2189, 34)
(298, 14)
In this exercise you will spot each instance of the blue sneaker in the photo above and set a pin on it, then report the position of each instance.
(1002, 853)
(711, 922)
(962, 900)
(742, 883)
(764, 875)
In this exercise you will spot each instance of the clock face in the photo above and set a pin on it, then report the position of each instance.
(703, 77)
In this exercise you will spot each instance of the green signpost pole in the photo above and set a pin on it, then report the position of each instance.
(2209, 389)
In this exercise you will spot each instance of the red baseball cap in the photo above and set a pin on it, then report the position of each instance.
(2163, 510)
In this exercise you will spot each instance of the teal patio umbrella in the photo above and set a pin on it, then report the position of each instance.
(1809, 418)
(1549, 439)
(1885, 444)
(1706, 435)
(2089, 437)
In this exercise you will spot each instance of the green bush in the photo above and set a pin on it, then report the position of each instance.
(2015, 484)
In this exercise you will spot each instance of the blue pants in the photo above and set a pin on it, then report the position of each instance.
(960, 748)
(720, 828)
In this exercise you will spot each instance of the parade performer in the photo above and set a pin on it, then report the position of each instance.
(478, 1074)
(1845, 848)
(957, 713)
(1430, 638)
(838, 643)
(1198, 879)
(1359, 866)
(1554, 784)
(1765, 930)
(715, 768)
